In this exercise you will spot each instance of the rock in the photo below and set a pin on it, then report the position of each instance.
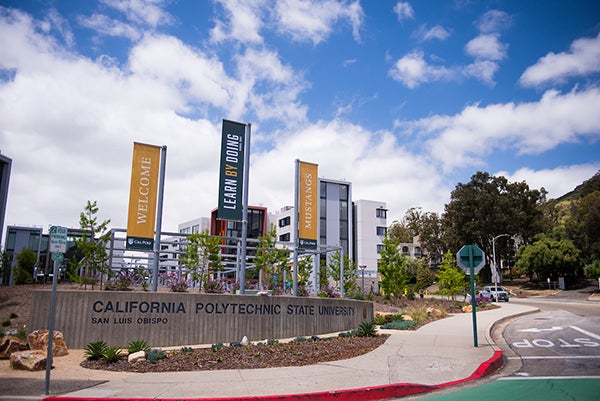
(10, 344)
(38, 340)
(136, 356)
(407, 317)
(431, 311)
(467, 309)
(244, 340)
(31, 360)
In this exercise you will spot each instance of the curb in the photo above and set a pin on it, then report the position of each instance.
(382, 392)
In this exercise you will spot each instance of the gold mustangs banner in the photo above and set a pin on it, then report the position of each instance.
(308, 194)
(142, 197)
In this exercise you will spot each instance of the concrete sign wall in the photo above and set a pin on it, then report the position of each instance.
(178, 319)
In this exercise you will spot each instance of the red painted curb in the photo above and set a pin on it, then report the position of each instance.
(374, 393)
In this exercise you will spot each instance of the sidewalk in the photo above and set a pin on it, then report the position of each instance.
(437, 355)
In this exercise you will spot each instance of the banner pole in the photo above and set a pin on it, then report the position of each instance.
(295, 228)
(245, 209)
(159, 208)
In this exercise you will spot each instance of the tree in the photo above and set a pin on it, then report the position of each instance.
(92, 247)
(399, 231)
(202, 256)
(350, 284)
(5, 267)
(391, 268)
(304, 271)
(452, 281)
(270, 259)
(549, 258)
(488, 206)
(431, 235)
(592, 270)
(583, 225)
(26, 260)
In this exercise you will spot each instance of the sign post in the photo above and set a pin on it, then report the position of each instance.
(58, 246)
(471, 259)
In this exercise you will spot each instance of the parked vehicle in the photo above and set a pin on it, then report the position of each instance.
(496, 294)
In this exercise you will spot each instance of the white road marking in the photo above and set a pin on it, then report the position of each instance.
(587, 333)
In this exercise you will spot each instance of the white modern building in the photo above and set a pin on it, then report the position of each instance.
(370, 227)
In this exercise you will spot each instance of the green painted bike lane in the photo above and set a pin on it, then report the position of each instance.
(529, 389)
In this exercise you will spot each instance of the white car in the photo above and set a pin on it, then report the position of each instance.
(496, 294)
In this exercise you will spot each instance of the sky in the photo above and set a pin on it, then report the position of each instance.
(404, 99)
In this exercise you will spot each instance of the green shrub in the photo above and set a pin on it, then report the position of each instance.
(187, 349)
(400, 325)
(350, 333)
(111, 354)
(418, 313)
(95, 350)
(13, 315)
(154, 355)
(2, 334)
(216, 347)
(137, 345)
(21, 334)
(366, 329)
(122, 283)
(6, 323)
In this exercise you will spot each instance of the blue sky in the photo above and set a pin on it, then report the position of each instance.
(405, 99)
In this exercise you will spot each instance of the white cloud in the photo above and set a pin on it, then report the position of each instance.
(528, 128)
(312, 20)
(404, 10)
(148, 12)
(493, 21)
(487, 51)
(242, 22)
(557, 181)
(483, 70)
(110, 27)
(583, 58)
(487, 47)
(436, 32)
(412, 70)
(370, 160)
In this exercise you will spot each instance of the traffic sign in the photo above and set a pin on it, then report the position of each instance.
(57, 257)
(470, 258)
(58, 239)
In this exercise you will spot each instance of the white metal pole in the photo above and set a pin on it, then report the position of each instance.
(159, 207)
(295, 226)
(245, 209)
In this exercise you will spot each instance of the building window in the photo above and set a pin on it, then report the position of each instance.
(380, 248)
(381, 230)
(405, 250)
(417, 251)
(195, 229)
(286, 221)
(285, 237)
(344, 192)
(381, 213)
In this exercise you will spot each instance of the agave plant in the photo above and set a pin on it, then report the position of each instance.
(366, 329)
(95, 350)
(111, 354)
(137, 345)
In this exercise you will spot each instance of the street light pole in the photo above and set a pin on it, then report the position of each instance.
(363, 267)
(495, 272)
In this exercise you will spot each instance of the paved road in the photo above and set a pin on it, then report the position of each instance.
(551, 355)
(555, 343)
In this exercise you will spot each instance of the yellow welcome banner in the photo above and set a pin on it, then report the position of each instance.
(308, 202)
(142, 197)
